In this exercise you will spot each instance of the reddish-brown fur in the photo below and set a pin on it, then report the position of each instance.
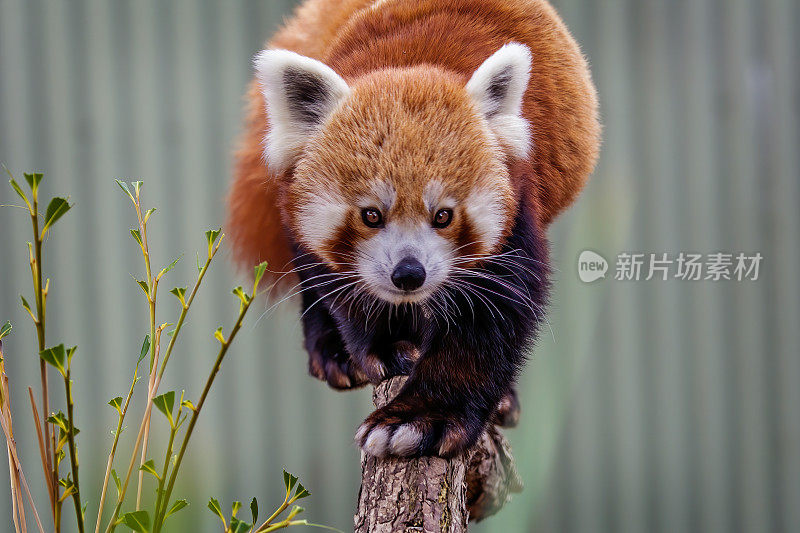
(430, 131)
(357, 37)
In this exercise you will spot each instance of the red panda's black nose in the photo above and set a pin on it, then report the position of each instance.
(409, 274)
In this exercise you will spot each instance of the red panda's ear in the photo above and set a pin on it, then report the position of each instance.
(497, 86)
(300, 93)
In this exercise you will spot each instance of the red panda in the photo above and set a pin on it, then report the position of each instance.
(406, 157)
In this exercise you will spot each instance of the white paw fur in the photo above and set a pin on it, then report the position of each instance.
(377, 442)
(406, 440)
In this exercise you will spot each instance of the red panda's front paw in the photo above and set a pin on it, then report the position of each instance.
(336, 368)
(373, 368)
(398, 362)
(406, 431)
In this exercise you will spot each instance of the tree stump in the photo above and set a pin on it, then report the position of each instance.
(431, 494)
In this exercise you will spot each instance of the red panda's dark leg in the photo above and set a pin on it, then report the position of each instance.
(328, 359)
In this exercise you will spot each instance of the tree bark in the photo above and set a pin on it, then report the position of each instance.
(431, 494)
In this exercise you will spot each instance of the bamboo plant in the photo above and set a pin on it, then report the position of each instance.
(56, 430)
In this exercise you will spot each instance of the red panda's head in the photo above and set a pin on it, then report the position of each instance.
(401, 176)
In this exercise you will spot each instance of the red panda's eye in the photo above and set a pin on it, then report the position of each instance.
(372, 217)
(442, 218)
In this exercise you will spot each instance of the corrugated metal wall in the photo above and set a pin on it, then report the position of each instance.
(654, 406)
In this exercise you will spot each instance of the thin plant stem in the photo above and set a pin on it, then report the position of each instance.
(51, 466)
(275, 515)
(196, 413)
(17, 505)
(151, 392)
(267, 524)
(170, 346)
(121, 498)
(142, 429)
(22, 476)
(113, 451)
(152, 285)
(17, 502)
(38, 424)
(288, 523)
(172, 432)
(73, 453)
(184, 312)
(40, 293)
(17, 475)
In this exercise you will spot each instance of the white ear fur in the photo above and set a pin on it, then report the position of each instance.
(497, 86)
(301, 93)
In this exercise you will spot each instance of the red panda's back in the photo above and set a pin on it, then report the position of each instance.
(458, 35)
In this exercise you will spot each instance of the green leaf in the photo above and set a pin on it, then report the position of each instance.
(188, 405)
(19, 191)
(180, 294)
(126, 190)
(211, 237)
(137, 235)
(66, 482)
(5, 329)
(218, 335)
(150, 467)
(301, 492)
(254, 509)
(239, 292)
(177, 505)
(138, 521)
(27, 307)
(239, 526)
(33, 181)
(116, 403)
(148, 213)
(145, 349)
(117, 481)
(213, 504)
(235, 506)
(55, 210)
(168, 267)
(259, 273)
(143, 286)
(70, 353)
(289, 481)
(55, 357)
(59, 420)
(164, 403)
(137, 186)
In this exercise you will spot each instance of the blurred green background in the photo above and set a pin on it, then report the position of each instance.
(653, 406)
